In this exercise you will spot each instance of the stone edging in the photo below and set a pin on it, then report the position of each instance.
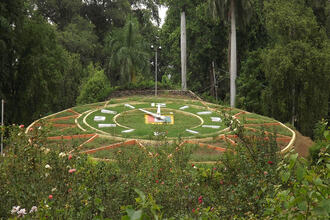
(284, 150)
(291, 143)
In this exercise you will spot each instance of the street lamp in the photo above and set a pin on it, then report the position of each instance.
(156, 51)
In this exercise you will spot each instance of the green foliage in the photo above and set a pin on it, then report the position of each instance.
(321, 133)
(60, 12)
(78, 37)
(205, 43)
(42, 76)
(251, 83)
(96, 87)
(251, 181)
(290, 76)
(319, 129)
(127, 53)
(291, 21)
(297, 69)
(303, 192)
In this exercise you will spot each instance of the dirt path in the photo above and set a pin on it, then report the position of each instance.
(302, 144)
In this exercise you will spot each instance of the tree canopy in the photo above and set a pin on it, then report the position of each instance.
(47, 48)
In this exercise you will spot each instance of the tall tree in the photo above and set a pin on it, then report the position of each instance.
(232, 8)
(59, 12)
(296, 65)
(127, 53)
(106, 15)
(149, 5)
(183, 50)
(78, 37)
(183, 45)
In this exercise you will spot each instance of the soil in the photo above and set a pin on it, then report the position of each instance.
(302, 144)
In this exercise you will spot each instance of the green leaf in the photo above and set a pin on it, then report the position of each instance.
(302, 205)
(141, 195)
(101, 208)
(317, 181)
(328, 166)
(285, 176)
(136, 215)
(327, 135)
(300, 171)
(293, 159)
(323, 208)
(97, 201)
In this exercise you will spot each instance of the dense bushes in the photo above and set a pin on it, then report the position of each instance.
(96, 87)
(250, 181)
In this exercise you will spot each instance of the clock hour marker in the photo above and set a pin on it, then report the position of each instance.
(191, 131)
(99, 118)
(129, 106)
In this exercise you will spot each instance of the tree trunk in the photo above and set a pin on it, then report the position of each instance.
(233, 56)
(183, 52)
(212, 82)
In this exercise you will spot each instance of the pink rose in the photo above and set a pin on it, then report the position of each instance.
(72, 170)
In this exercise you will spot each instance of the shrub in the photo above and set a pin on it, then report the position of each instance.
(249, 181)
(303, 192)
(96, 88)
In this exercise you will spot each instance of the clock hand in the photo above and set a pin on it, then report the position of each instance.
(158, 116)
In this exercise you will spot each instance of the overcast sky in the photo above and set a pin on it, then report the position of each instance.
(162, 14)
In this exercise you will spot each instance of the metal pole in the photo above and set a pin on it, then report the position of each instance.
(215, 82)
(2, 123)
(156, 73)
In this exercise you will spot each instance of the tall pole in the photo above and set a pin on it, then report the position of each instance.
(156, 72)
(215, 82)
(233, 57)
(2, 123)
(183, 52)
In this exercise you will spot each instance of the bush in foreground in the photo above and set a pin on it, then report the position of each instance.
(249, 181)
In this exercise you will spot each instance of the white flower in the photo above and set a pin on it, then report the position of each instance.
(54, 189)
(21, 213)
(34, 209)
(46, 174)
(15, 209)
(47, 166)
(39, 127)
(47, 150)
(62, 154)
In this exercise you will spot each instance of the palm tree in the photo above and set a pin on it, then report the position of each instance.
(181, 5)
(221, 8)
(127, 53)
(183, 51)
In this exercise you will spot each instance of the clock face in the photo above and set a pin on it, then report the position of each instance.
(145, 120)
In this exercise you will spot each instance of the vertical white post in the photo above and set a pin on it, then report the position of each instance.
(156, 73)
(214, 81)
(183, 52)
(233, 57)
(2, 123)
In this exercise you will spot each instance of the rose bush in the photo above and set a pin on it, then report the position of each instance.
(250, 180)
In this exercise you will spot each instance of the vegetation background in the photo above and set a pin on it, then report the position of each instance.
(54, 54)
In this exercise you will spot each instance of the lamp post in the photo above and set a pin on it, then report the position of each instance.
(156, 53)
(2, 124)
